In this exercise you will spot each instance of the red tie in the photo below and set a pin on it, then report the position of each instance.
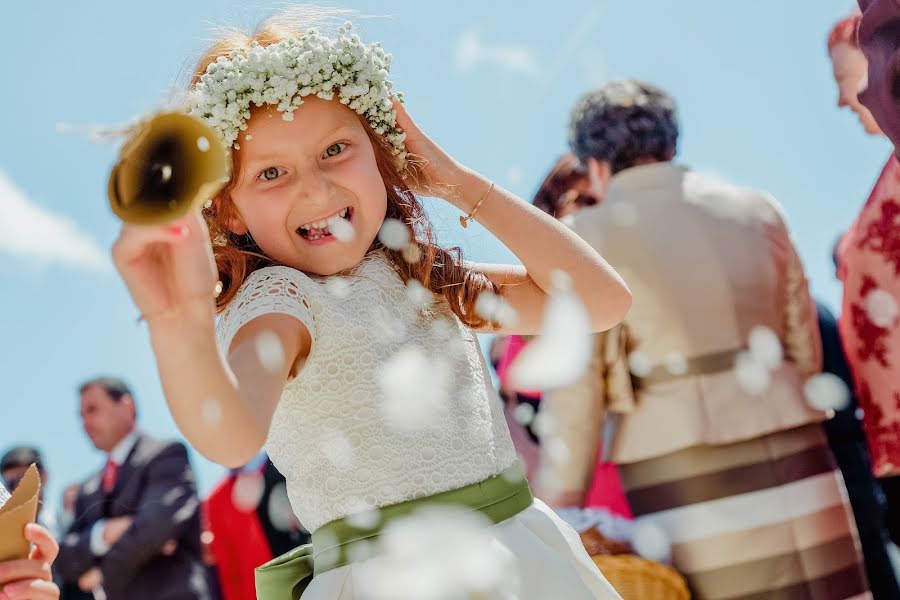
(110, 472)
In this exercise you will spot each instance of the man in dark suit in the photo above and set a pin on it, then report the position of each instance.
(136, 532)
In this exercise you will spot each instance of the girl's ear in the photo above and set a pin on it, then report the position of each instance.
(233, 219)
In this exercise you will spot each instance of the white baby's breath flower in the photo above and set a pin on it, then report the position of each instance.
(282, 74)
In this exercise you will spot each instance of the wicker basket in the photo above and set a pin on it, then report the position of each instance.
(636, 578)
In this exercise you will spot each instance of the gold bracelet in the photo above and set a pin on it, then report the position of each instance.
(464, 221)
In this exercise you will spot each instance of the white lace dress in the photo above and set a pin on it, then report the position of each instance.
(394, 403)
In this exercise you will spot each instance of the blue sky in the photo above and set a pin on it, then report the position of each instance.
(491, 81)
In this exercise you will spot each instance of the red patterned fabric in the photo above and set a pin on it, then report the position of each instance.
(869, 258)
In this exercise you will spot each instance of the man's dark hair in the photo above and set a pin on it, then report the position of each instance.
(21, 456)
(115, 387)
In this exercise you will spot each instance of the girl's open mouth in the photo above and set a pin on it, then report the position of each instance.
(320, 231)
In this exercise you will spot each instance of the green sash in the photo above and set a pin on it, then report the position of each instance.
(286, 577)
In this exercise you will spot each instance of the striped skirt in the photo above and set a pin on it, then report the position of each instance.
(764, 519)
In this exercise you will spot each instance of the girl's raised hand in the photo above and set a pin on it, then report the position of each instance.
(169, 269)
(441, 174)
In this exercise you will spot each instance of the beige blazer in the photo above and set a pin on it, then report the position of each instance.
(706, 263)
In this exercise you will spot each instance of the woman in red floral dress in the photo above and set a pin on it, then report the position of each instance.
(869, 266)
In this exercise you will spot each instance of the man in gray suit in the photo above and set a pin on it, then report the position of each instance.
(136, 532)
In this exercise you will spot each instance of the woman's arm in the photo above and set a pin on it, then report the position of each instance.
(542, 243)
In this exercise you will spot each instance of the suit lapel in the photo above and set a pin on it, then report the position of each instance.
(128, 468)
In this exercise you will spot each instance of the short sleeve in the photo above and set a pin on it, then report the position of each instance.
(278, 289)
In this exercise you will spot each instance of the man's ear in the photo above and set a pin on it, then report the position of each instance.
(599, 172)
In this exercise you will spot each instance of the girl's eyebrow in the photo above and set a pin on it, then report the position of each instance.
(274, 156)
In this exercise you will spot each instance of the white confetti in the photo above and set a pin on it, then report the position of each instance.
(337, 448)
(203, 144)
(562, 352)
(827, 391)
(337, 287)
(248, 491)
(342, 229)
(524, 413)
(676, 363)
(859, 414)
(752, 375)
(557, 449)
(368, 518)
(418, 294)
(166, 172)
(212, 413)
(281, 514)
(543, 425)
(416, 389)
(651, 542)
(269, 351)
(496, 309)
(440, 553)
(766, 347)
(394, 234)
(881, 307)
(639, 364)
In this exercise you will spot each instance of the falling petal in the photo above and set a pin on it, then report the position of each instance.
(420, 296)
(338, 450)
(766, 347)
(281, 515)
(416, 389)
(337, 287)
(881, 307)
(562, 352)
(496, 309)
(412, 253)
(651, 542)
(166, 173)
(752, 375)
(394, 234)
(248, 491)
(524, 413)
(827, 391)
(543, 425)
(270, 352)
(639, 364)
(365, 519)
(342, 229)
(676, 363)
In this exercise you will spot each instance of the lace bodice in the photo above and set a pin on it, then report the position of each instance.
(349, 433)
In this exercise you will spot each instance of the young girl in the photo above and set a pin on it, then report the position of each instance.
(304, 241)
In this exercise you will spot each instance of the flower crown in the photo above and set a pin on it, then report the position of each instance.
(282, 74)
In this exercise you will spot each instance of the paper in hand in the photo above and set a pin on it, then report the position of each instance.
(19, 511)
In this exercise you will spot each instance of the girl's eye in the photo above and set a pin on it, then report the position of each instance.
(334, 149)
(270, 174)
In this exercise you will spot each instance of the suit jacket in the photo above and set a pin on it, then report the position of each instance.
(706, 263)
(879, 37)
(156, 487)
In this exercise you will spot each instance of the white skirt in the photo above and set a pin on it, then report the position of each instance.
(548, 558)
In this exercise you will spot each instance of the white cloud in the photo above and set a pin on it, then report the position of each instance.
(472, 52)
(39, 235)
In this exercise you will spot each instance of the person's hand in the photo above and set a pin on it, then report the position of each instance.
(90, 580)
(168, 268)
(31, 579)
(440, 173)
(114, 529)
